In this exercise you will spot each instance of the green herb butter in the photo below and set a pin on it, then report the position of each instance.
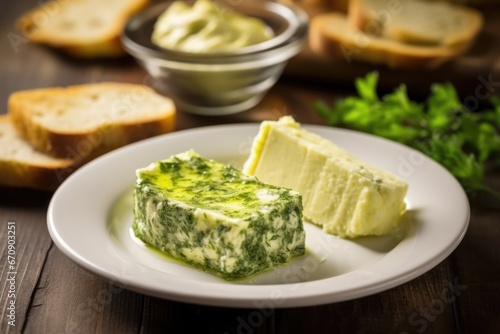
(206, 27)
(212, 216)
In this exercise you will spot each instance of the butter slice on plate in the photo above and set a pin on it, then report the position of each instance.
(212, 216)
(347, 197)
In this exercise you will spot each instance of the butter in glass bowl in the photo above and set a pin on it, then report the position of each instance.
(219, 82)
(205, 27)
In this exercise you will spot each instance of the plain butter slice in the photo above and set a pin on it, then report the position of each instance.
(347, 197)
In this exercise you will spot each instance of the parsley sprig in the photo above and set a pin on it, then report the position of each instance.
(440, 127)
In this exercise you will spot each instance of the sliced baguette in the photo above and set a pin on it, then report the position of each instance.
(416, 21)
(21, 165)
(82, 28)
(84, 121)
(331, 35)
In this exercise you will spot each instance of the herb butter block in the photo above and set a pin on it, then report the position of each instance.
(347, 197)
(214, 217)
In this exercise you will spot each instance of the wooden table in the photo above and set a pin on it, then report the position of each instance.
(53, 295)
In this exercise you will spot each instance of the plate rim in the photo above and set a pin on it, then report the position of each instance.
(297, 299)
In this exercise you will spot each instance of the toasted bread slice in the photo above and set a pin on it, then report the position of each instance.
(82, 28)
(21, 165)
(417, 21)
(83, 121)
(315, 7)
(331, 34)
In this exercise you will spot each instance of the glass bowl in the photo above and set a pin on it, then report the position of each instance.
(219, 83)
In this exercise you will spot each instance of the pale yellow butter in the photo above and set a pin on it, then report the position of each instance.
(206, 27)
(346, 196)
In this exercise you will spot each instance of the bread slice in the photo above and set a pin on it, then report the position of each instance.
(315, 7)
(84, 121)
(82, 28)
(331, 35)
(23, 166)
(417, 21)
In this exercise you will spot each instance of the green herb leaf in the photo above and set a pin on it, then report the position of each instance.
(440, 127)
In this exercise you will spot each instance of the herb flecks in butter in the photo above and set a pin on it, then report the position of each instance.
(212, 216)
(206, 27)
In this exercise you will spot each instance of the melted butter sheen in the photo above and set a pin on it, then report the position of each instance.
(209, 185)
(206, 27)
(212, 216)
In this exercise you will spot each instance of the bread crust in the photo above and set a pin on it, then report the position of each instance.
(106, 45)
(83, 144)
(369, 18)
(29, 172)
(331, 35)
(316, 7)
(21, 175)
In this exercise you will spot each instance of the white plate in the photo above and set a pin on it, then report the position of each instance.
(89, 219)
